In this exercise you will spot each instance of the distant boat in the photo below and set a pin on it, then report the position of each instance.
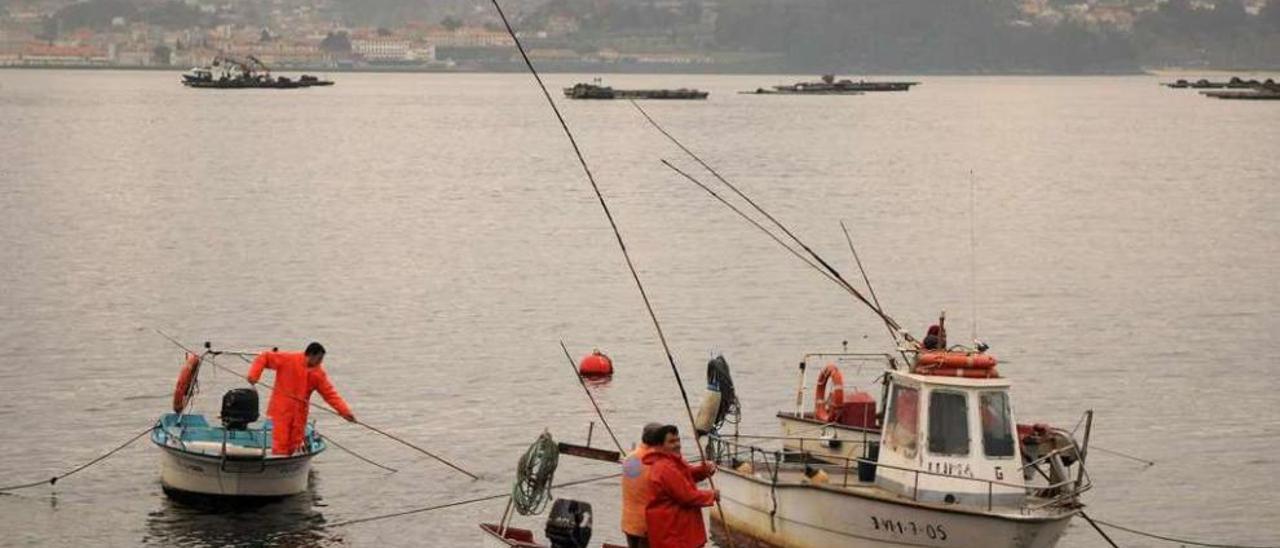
(227, 72)
(830, 86)
(597, 91)
(1234, 83)
(1265, 93)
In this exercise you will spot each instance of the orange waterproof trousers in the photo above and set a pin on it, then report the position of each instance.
(289, 406)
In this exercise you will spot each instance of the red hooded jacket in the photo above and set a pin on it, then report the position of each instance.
(674, 513)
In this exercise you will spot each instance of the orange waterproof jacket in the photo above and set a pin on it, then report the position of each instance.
(674, 512)
(635, 491)
(294, 384)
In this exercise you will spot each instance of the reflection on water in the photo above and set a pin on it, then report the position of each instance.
(197, 521)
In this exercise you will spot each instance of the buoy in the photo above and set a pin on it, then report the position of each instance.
(705, 420)
(595, 364)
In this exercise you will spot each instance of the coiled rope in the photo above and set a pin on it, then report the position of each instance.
(54, 480)
(534, 473)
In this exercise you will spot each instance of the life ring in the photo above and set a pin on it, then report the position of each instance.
(965, 373)
(186, 378)
(955, 360)
(827, 409)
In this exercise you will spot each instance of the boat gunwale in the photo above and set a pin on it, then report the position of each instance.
(885, 496)
(269, 459)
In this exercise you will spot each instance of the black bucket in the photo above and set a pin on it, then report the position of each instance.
(867, 470)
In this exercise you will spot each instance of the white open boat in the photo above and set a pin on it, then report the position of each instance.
(231, 460)
(942, 464)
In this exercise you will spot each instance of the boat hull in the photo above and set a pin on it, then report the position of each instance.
(209, 475)
(806, 516)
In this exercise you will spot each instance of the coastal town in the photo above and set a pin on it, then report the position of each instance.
(616, 35)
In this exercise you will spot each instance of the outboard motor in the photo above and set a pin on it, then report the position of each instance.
(569, 524)
(239, 408)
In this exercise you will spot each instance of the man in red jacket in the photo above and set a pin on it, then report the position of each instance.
(674, 512)
(298, 374)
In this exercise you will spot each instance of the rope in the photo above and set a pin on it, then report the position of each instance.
(600, 414)
(534, 473)
(325, 409)
(617, 233)
(1173, 539)
(719, 377)
(335, 443)
(380, 517)
(54, 480)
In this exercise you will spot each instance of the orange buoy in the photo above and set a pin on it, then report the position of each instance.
(827, 408)
(182, 392)
(955, 360)
(595, 364)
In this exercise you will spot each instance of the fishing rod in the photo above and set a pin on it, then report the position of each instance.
(866, 279)
(322, 408)
(890, 322)
(662, 338)
(600, 414)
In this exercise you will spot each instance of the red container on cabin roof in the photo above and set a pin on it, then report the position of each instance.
(859, 410)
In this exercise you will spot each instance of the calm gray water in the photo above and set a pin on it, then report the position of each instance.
(435, 233)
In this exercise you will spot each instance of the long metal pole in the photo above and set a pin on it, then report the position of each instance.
(599, 413)
(662, 338)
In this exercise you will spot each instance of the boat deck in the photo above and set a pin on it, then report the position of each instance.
(194, 434)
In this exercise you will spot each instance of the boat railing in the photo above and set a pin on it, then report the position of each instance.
(1065, 492)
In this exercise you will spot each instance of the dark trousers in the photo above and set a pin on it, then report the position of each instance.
(637, 542)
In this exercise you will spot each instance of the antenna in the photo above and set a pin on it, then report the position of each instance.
(973, 254)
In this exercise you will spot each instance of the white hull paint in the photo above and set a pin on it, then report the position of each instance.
(209, 475)
(829, 516)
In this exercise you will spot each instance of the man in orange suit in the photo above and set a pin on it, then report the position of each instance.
(298, 374)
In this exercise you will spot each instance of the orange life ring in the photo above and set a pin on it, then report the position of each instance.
(185, 379)
(824, 409)
(963, 372)
(955, 360)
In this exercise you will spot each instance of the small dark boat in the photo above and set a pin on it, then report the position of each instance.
(830, 86)
(596, 91)
(1234, 83)
(246, 73)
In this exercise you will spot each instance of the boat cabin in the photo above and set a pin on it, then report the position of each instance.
(950, 439)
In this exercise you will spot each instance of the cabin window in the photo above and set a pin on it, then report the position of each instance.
(903, 424)
(997, 430)
(948, 423)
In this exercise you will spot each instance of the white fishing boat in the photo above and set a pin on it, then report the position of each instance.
(943, 464)
(232, 459)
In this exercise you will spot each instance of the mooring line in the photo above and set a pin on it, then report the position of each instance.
(335, 443)
(321, 407)
(1149, 463)
(1173, 539)
(54, 480)
(662, 338)
(599, 413)
(425, 509)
